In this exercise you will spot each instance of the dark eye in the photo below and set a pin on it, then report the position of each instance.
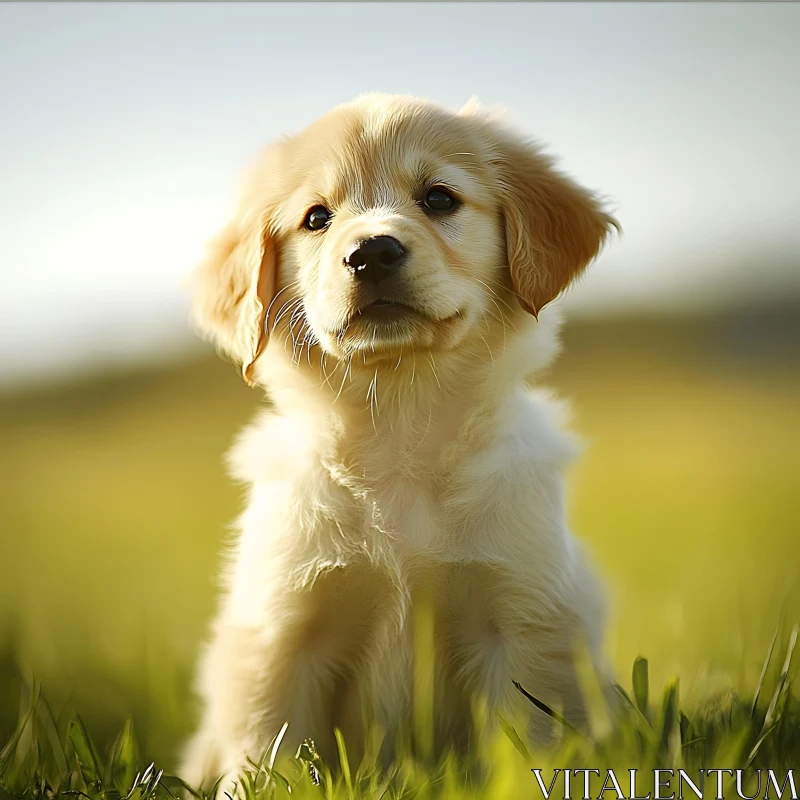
(439, 200)
(317, 219)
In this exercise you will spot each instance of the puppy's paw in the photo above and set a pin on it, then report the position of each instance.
(201, 765)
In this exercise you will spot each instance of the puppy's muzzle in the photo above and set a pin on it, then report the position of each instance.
(376, 259)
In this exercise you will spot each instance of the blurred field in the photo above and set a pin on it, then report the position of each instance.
(113, 505)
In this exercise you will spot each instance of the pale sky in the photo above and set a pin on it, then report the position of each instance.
(124, 128)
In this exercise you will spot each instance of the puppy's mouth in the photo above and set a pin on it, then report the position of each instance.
(385, 325)
(385, 311)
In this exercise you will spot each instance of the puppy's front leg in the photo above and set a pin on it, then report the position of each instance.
(296, 664)
(254, 678)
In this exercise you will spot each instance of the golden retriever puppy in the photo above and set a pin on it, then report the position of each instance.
(383, 280)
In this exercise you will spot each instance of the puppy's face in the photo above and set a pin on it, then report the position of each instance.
(392, 233)
(393, 226)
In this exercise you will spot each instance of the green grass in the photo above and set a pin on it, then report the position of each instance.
(49, 756)
(114, 505)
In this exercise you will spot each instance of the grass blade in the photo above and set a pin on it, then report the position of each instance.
(669, 734)
(84, 751)
(11, 746)
(122, 758)
(764, 668)
(641, 685)
(515, 738)
(50, 726)
(782, 681)
(546, 709)
(344, 762)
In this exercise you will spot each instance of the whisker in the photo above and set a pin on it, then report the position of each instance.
(272, 303)
(373, 402)
(487, 345)
(292, 305)
(312, 342)
(344, 378)
(419, 443)
(502, 316)
(293, 322)
(328, 377)
(302, 347)
(493, 293)
(322, 362)
(507, 288)
(433, 369)
(295, 318)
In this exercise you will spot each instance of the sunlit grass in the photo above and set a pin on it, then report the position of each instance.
(49, 756)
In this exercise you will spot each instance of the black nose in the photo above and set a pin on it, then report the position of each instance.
(375, 259)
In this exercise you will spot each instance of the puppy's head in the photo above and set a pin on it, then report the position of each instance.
(393, 226)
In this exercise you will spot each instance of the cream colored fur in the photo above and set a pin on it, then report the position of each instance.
(403, 471)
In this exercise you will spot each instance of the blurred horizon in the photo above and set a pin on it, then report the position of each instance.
(767, 329)
(128, 127)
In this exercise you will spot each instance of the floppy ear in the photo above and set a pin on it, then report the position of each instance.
(233, 289)
(553, 226)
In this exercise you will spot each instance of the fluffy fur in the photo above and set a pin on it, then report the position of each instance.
(404, 464)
